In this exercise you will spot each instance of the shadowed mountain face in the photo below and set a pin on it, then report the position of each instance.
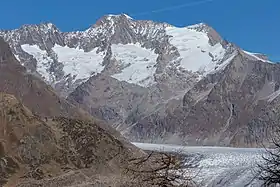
(154, 82)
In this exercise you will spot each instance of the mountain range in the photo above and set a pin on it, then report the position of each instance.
(153, 82)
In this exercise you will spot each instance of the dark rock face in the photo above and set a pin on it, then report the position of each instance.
(116, 96)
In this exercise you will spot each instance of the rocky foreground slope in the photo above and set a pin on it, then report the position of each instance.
(45, 141)
(155, 82)
(35, 151)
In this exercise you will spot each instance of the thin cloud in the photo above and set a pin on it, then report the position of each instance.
(172, 7)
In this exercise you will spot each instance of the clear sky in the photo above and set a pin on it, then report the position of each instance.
(252, 24)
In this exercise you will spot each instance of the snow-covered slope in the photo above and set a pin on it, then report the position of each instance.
(79, 63)
(196, 53)
(219, 166)
(75, 61)
(138, 64)
(43, 60)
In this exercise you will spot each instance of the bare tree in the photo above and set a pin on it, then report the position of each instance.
(269, 170)
(164, 169)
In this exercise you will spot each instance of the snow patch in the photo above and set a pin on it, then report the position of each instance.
(254, 55)
(50, 25)
(213, 68)
(127, 16)
(43, 61)
(139, 64)
(18, 59)
(117, 15)
(76, 62)
(79, 63)
(196, 54)
(273, 96)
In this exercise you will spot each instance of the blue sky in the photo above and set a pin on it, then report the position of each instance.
(252, 24)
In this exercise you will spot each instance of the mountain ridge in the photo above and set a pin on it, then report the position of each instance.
(123, 70)
(103, 25)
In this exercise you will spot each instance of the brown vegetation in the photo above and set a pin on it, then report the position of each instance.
(161, 169)
(269, 170)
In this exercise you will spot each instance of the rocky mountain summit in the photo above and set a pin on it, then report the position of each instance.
(152, 81)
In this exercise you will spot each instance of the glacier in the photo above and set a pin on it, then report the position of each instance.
(219, 166)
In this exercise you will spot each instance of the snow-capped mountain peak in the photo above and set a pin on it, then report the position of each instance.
(45, 27)
(118, 15)
(140, 52)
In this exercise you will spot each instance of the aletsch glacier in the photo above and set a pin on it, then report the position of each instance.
(218, 166)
